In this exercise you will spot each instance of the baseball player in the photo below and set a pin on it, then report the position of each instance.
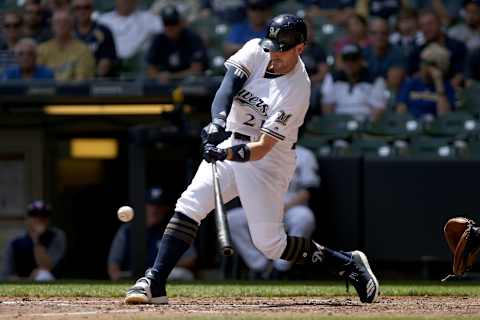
(299, 219)
(256, 113)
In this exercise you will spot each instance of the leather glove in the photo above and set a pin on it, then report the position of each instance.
(211, 153)
(463, 238)
(214, 133)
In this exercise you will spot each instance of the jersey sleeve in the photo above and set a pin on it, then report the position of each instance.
(247, 58)
(289, 117)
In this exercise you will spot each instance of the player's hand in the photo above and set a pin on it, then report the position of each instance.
(211, 153)
(214, 133)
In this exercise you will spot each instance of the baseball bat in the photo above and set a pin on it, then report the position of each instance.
(223, 231)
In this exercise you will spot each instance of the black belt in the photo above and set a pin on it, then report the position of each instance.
(241, 136)
(244, 137)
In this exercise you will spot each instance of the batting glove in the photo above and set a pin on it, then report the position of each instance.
(214, 133)
(211, 153)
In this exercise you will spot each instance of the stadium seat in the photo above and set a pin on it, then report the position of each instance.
(471, 99)
(431, 147)
(334, 126)
(370, 147)
(458, 124)
(395, 126)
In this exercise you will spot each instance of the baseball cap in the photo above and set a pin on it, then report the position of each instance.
(38, 208)
(351, 52)
(170, 15)
(156, 195)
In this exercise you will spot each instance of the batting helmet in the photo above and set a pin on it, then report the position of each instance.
(284, 32)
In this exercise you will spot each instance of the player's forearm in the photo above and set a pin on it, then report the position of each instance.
(252, 151)
(232, 83)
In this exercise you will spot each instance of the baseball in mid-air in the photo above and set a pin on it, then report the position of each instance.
(125, 214)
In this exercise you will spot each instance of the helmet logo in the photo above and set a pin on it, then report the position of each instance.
(273, 32)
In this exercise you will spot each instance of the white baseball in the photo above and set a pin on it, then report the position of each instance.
(125, 214)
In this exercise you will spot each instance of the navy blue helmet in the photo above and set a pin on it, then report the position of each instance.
(284, 32)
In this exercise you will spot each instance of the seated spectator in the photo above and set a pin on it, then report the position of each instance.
(158, 214)
(353, 90)
(428, 93)
(189, 9)
(299, 219)
(446, 10)
(383, 59)
(258, 14)
(35, 255)
(176, 53)
(431, 27)
(132, 28)
(230, 12)
(11, 34)
(68, 57)
(468, 32)
(27, 68)
(35, 22)
(98, 37)
(314, 58)
(407, 36)
(357, 34)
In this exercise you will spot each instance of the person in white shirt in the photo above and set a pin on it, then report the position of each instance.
(132, 28)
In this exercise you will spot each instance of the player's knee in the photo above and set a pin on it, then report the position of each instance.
(270, 239)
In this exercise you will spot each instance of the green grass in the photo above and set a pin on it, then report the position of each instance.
(235, 289)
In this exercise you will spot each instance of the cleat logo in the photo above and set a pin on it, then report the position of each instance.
(317, 256)
(370, 287)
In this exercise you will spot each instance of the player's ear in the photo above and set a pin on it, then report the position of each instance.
(300, 48)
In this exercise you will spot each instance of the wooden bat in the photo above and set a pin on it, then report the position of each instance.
(223, 231)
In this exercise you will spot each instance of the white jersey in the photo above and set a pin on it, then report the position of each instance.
(274, 106)
(306, 172)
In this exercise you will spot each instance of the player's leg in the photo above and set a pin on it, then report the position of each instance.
(192, 207)
(299, 222)
(242, 241)
(261, 194)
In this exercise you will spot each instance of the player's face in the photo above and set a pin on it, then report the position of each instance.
(284, 62)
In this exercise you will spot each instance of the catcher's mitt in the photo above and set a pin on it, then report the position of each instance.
(463, 238)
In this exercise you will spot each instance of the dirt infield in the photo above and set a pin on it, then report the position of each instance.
(94, 308)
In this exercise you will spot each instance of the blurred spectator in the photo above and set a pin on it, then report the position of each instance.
(258, 14)
(11, 30)
(36, 254)
(407, 36)
(70, 58)
(299, 219)
(56, 5)
(35, 22)
(471, 95)
(353, 90)
(314, 58)
(27, 68)
(385, 9)
(431, 27)
(357, 34)
(383, 59)
(132, 28)
(177, 52)
(447, 10)
(158, 213)
(11, 34)
(98, 37)
(468, 32)
(231, 11)
(189, 9)
(429, 93)
(336, 11)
